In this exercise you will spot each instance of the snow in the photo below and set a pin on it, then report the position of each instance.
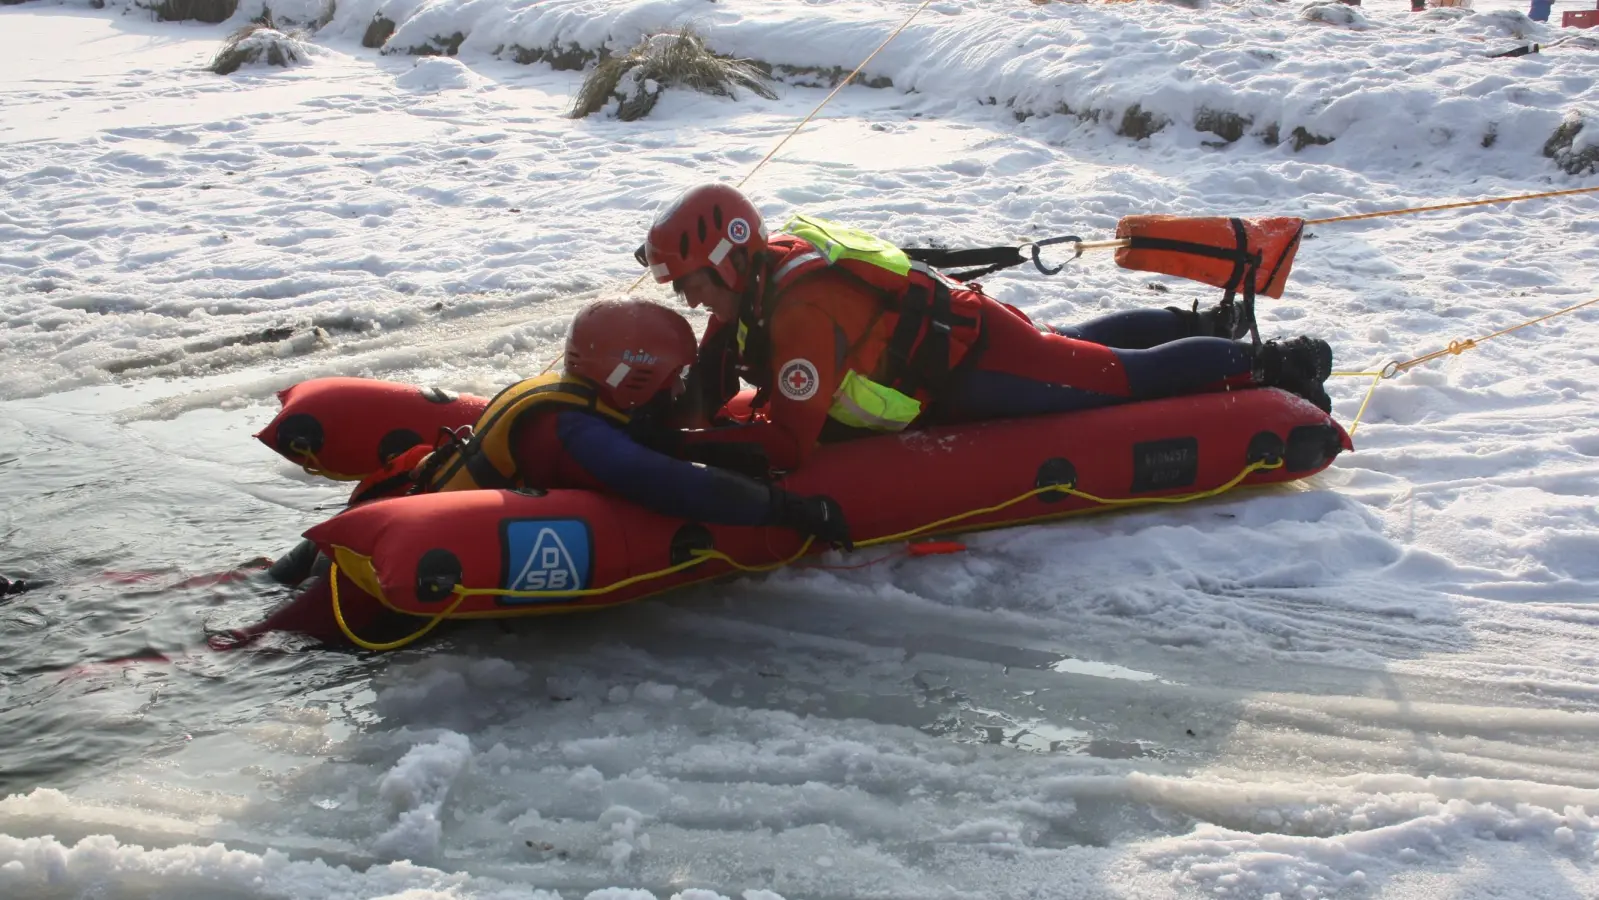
(1378, 684)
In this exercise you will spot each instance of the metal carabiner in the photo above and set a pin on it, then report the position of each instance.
(1037, 245)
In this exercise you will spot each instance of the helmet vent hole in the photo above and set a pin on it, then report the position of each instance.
(702, 229)
(716, 217)
(682, 245)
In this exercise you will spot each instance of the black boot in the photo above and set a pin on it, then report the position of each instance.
(1224, 320)
(1298, 366)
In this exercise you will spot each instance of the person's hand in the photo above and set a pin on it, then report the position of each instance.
(818, 516)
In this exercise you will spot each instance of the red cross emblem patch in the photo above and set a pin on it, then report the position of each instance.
(797, 379)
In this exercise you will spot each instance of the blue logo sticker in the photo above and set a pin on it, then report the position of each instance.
(545, 555)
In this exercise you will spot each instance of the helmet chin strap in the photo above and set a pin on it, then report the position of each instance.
(751, 298)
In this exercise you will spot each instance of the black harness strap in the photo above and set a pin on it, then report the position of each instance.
(1246, 266)
(924, 365)
(912, 317)
(988, 259)
(1246, 271)
(469, 455)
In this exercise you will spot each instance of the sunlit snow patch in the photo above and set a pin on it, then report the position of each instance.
(1072, 666)
(440, 73)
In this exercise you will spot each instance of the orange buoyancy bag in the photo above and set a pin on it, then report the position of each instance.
(348, 428)
(1251, 256)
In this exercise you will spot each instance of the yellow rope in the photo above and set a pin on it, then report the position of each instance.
(461, 592)
(847, 79)
(1363, 403)
(1460, 205)
(315, 468)
(338, 616)
(806, 121)
(700, 556)
(1067, 489)
(1455, 348)
(709, 555)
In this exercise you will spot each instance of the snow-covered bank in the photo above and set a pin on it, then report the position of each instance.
(1380, 684)
(1271, 71)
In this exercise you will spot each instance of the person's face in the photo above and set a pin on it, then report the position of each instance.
(703, 288)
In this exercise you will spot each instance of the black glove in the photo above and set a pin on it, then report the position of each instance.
(818, 516)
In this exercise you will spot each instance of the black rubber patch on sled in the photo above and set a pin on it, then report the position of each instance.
(1056, 472)
(300, 433)
(1264, 447)
(437, 574)
(1311, 447)
(689, 541)
(1164, 465)
(438, 395)
(396, 442)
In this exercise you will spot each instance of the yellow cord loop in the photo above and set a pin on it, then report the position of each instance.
(338, 616)
(703, 556)
(313, 466)
(1455, 348)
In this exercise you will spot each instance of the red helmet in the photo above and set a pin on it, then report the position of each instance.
(699, 231)
(630, 349)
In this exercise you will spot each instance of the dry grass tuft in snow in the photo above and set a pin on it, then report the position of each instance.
(257, 43)
(634, 80)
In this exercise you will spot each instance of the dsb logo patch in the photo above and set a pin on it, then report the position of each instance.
(545, 555)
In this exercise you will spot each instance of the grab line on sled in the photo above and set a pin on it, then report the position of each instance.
(1395, 369)
(368, 578)
(299, 447)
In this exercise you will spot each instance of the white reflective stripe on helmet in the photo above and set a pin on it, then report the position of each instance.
(660, 272)
(723, 247)
(618, 373)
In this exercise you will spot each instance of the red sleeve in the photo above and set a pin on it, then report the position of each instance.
(807, 354)
(805, 374)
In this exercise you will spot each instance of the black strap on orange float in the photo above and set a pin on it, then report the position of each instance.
(1246, 265)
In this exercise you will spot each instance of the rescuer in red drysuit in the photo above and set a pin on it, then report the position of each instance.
(844, 338)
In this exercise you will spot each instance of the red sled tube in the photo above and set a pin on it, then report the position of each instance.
(482, 554)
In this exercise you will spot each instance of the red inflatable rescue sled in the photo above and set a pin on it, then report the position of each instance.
(475, 554)
(347, 428)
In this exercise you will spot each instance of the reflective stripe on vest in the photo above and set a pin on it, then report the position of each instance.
(863, 403)
(488, 460)
(788, 267)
